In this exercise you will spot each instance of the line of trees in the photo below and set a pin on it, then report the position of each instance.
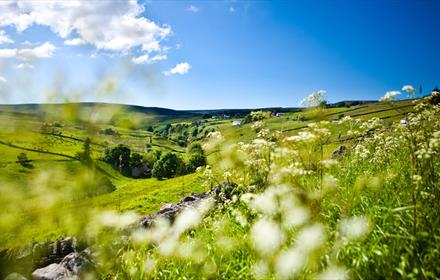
(160, 165)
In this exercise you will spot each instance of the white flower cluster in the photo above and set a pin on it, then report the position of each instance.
(389, 96)
(214, 138)
(314, 99)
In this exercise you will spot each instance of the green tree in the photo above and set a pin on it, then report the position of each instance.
(85, 155)
(195, 160)
(135, 160)
(118, 157)
(167, 166)
(195, 147)
(23, 160)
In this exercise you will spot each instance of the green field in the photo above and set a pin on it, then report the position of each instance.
(55, 194)
(21, 132)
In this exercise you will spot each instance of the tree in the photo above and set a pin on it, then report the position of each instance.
(195, 147)
(23, 160)
(85, 155)
(135, 160)
(151, 158)
(195, 160)
(167, 166)
(118, 157)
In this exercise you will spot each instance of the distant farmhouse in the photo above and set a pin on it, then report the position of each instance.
(237, 123)
(280, 114)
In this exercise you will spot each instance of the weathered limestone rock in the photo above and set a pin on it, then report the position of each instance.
(170, 211)
(53, 271)
(70, 267)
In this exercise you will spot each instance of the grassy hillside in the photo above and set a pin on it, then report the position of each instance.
(53, 194)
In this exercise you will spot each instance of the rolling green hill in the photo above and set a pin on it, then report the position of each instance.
(51, 135)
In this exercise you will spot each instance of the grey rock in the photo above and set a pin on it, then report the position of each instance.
(170, 211)
(70, 267)
(339, 152)
(77, 262)
(53, 271)
(45, 253)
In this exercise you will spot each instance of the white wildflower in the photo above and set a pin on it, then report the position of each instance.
(328, 163)
(310, 238)
(265, 203)
(295, 216)
(187, 219)
(389, 96)
(115, 220)
(267, 236)
(333, 273)
(354, 227)
(314, 99)
(329, 182)
(260, 269)
(409, 89)
(289, 263)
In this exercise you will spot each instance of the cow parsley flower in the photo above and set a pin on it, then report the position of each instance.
(409, 89)
(310, 238)
(267, 236)
(333, 273)
(389, 96)
(354, 227)
(289, 263)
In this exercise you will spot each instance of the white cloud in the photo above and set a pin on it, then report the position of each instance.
(8, 53)
(181, 69)
(193, 9)
(4, 39)
(43, 51)
(115, 25)
(25, 66)
(74, 42)
(3, 79)
(147, 59)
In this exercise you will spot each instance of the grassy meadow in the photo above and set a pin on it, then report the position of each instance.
(294, 212)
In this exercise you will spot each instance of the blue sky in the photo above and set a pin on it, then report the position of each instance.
(216, 54)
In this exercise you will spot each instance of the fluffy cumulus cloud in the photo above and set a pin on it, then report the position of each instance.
(27, 54)
(181, 69)
(116, 25)
(4, 39)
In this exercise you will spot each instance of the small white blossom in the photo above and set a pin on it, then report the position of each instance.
(333, 273)
(267, 236)
(389, 96)
(409, 89)
(354, 227)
